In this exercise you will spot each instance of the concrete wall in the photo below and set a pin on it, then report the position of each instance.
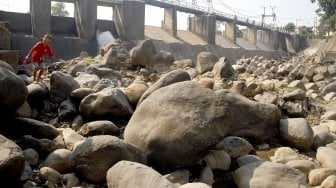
(129, 19)
(169, 22)
(230, 32)
(20, 22)
(205, 26)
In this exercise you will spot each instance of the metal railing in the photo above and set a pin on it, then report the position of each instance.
(218, 13)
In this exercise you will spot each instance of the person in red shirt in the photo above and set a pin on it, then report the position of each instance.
(37, 53)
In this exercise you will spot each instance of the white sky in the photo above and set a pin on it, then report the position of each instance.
(300, 12)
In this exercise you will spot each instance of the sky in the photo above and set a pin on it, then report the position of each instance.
(299, 12)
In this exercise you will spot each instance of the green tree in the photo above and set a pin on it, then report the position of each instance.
(290, 27)
(327, 14)
(58, 9)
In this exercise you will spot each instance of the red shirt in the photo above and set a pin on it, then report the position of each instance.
(40, 50)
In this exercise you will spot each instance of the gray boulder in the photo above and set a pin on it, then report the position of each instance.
(268, 174)
(223, 69)
(108, 102)
(12, 161)
(102, 127)
(13, 91)
(94, 156)
(205, 62)
(177, 124)
(127, 174)
(143, 54)
(61, 86)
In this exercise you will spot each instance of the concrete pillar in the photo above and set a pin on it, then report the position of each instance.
(170, 21)
(205, 26)
(129, 17)
(251, 34)
(40, 11)
(86, 17)
(230, 31)
(4, 37)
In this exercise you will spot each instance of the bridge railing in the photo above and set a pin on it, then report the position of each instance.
(221, 14)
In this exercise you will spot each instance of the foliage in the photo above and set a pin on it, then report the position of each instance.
(327, 14)
(58, 9)
(290, 27)
(306, 32)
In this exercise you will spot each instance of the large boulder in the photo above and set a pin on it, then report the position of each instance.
(94, 156)
(268, 174)
(177, 124)
(205, 62)
(13, 91)
(223, 69)
(251, 119)
(109, 101)
(12, 161)
(126, 174)
(37, 96)
(61, 86)
(296, 132)
(143, 54)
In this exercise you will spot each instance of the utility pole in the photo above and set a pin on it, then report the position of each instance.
(263, 16)
(271, 15)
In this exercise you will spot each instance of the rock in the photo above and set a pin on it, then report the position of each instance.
(103, 72)
(218, 159)
(87, 80)
(12, 163)
(184, 63)
(331, 87)
(75, 69)
(286, 154)
(268, 174)
(297, 94)
(317, 176)
(135, 91)
(236, 146)
(329, 115)
(329, 182)
(127, 174)
(31, 156)
(61, 86)
(13, 91)
(257, 121)
(205, 62)
(77, 122)
(108, 102)
(38, 96)
(143, 53)
(165, 80)
(109, 150)
(296, 132)
(246, 159)
(24, 111)
(71, 137)
(178, 177)
(207, 82)
(305, 166)
(67, 111)
(206, 176)
(104, 83)
(78, 95)
(71, 180)
(59, 160)
(187, 122)
(296, 109)
(35, 128)
(267, 97)
(331, 124)
(49, 174)
(223, 69)
(27, 172)
(101, 127)
(326, 156)
(322, 136)
(42, 146)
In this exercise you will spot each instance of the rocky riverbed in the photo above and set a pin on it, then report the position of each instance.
(142, 118)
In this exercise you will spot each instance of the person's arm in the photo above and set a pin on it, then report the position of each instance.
(30, 51)
(50, 53)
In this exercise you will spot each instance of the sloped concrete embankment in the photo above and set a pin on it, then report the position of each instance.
(188, 51)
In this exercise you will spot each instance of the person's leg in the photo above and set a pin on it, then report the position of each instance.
(40, 71)
(36, 68)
